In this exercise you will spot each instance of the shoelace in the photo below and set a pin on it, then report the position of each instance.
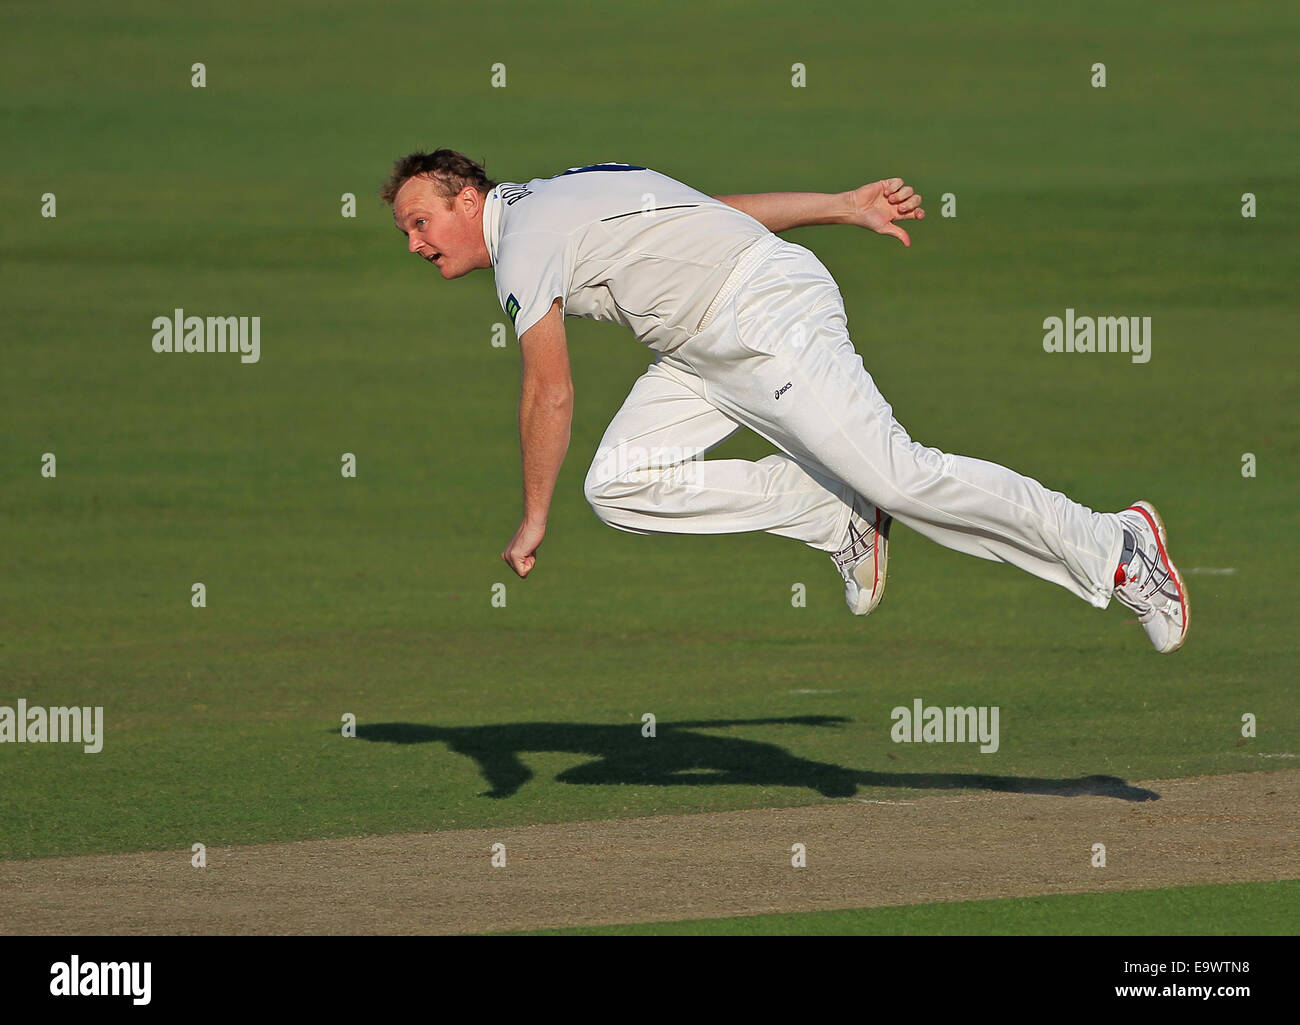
(859, 547)
(1139, 595)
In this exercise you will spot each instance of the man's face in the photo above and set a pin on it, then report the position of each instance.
(451, 239)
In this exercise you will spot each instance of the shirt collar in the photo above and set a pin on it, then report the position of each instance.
(492, 223)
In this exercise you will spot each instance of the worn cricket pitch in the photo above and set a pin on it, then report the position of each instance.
(860, 853)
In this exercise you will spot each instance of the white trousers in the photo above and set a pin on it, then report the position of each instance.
(774, 355)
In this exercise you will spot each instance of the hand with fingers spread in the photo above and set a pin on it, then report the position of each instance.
(878, 205)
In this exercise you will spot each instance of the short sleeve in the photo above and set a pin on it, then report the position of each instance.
(531, 275)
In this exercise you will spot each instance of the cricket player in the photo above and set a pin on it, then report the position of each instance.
(747, 330)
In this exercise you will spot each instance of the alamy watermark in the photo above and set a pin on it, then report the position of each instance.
(56, 725)
(624, 462)
(73, 978)
(1098, 334)
(931, 724)
(179, 333)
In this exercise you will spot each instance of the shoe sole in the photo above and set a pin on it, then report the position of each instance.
(1162, 542)
(880, 556)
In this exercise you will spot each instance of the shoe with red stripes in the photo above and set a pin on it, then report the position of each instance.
(863, 559)
(1148, 582)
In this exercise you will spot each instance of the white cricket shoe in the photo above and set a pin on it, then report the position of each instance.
(1147, 580)
(863, 559)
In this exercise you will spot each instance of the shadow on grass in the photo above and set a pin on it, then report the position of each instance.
(677, 756)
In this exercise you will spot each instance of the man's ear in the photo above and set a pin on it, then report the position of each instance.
(470, 199)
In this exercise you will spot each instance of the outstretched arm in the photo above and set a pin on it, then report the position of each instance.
(545, 417)
(876, 206)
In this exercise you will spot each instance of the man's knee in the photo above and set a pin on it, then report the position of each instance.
(599, 494)
(621, 476)
(611, 482)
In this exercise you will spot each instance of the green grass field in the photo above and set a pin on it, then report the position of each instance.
(372, 596)
(1252, 909)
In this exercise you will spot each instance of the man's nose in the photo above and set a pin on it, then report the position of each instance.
(414, 243)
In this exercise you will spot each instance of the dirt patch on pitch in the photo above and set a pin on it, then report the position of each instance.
(967, 846)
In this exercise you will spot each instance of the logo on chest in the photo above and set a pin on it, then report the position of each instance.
(783, 389)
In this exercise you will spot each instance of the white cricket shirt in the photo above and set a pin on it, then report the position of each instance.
(617, 243)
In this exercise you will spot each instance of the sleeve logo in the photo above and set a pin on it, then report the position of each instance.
(512, 307)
